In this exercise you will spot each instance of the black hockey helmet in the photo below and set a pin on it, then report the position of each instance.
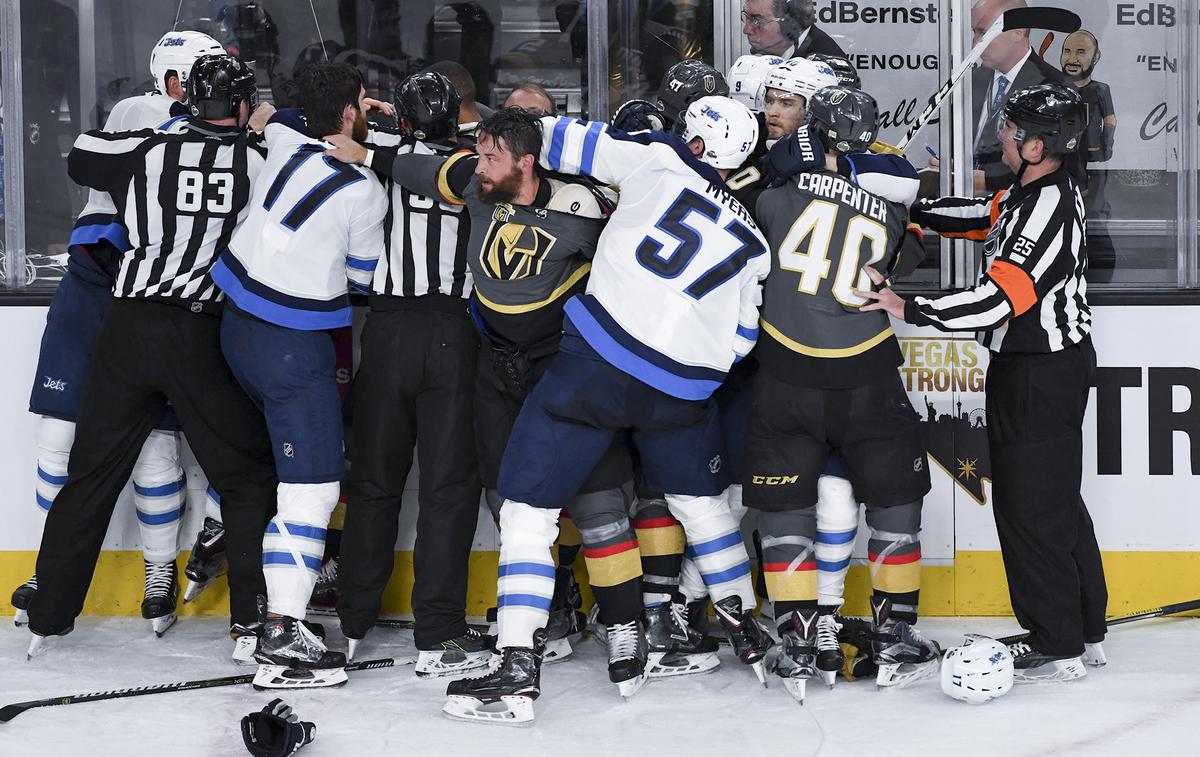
(684, 83)
(849, 117)
(1054, 112)
(638, 115)
(218, 85)
(427, 106)
(797, 16)
(843, 69)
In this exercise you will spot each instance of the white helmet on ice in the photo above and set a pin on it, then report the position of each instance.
(978, 672)
(176, 52)
(800, 76)
(728, 128)
(746, 77)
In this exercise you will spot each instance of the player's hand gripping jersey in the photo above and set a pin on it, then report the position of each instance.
(823, 230)
(675, 286)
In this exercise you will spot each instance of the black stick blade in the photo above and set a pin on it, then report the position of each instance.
(1054, 19)
(10, 711)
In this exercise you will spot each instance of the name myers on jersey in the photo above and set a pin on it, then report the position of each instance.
(731, 202)
(835, 187)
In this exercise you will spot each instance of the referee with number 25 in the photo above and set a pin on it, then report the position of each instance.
(1030, 310)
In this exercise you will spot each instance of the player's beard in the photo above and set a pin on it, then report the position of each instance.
(1084, 74)
(360, 126)
(505, 190)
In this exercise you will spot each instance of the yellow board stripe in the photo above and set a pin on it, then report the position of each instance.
(443, 185)
(897, 578)
(804, 349)
(574, 278)
(659, 542)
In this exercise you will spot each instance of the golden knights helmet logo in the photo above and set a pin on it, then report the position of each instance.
(513, 251)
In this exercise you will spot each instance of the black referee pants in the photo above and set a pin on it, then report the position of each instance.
(146, 354)
(414, 386)
(1035, 408)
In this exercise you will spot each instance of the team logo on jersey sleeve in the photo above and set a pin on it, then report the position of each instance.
(514, 250)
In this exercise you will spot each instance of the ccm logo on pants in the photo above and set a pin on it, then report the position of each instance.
(774, 480)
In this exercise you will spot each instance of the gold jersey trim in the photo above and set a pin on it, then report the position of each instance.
(562, 288)
(804, 349)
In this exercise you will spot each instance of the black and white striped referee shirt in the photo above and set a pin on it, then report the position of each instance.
(426, 239)
(179, 192)
(1032, 294)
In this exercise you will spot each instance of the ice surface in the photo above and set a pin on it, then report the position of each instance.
(1146, 701)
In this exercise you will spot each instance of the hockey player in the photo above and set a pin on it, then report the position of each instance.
(683, 84)
(315, 228)
(532, 239)
(843, 69)
(828, 381)
(72, 324)
(786, 91)
(671, 303)
(414, 389)
(158, 340)
(1030, 310)
(746, 77)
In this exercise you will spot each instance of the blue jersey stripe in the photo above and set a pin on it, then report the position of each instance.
(362, 265)
(526, 569)
(301, 319)
(835, 537)
(589, 147)
(42, 502)
(158, 519)
(715, 545)
(56, 480)
(833, 567)
(299, 529)
(523, 600)
(554, 157)
(214, 495)
(285, 558)
(158, 491)
(737, 571)
(745, 333)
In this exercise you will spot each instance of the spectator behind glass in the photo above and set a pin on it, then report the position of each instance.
(531, 98)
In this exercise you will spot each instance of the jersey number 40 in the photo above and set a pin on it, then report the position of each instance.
(805, 250)
(674, 223)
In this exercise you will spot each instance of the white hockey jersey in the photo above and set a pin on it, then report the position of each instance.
(675, 287)
(315, 226)
(98, 219)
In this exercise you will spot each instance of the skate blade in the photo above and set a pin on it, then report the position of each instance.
(244, 648)
(161, 625)
(1093, 655)
(760, 670)
(352, 648)
(282, 677)
(662, 665)
(632, 686)
(898, 675)
(322, 611)
(434, 665)
(1055, 671)
(40, 645)
(796, 687)
(21, 618)
(510, 710)
(557, 650)
(195, 589)
(828, 677)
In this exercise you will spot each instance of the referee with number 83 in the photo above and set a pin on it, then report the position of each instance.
(1030, 310)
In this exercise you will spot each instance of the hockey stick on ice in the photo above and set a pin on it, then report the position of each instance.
(1054, 19)
(1156, 612)
(10, 711)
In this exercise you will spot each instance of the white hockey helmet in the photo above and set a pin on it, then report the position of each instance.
(728, 128)
(977, 672)
(177, 51)
(800, 76)
(746, 77)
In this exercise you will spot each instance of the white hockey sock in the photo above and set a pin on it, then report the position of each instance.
(837, 525)
(691, 583)
(715, 545)
(525, 587)
(159, 496)
(54, 439)
(294, 544)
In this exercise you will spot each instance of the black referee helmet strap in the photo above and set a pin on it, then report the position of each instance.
(218, 85)
(1055, 112)
(427, 106)
(684, 83)
(848, 116)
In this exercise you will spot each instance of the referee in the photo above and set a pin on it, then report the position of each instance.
(1030, 310)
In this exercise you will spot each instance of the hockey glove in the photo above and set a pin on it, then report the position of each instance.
(276, 731)
(800, 151)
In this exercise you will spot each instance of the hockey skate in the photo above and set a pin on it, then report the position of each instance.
(21, 598)
(1093, 654)
(797, 658)
(291, 656)
(1032, 666)
(325, 593)
(673, 647)
(901, 652)
(627, 657)
(830, 657)
(505, 695)
(39, 645)
(245, 643)
(207, 561)
(566, 623)
(468, 652)
(161, 596)
(697, 615)
(749, 639)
